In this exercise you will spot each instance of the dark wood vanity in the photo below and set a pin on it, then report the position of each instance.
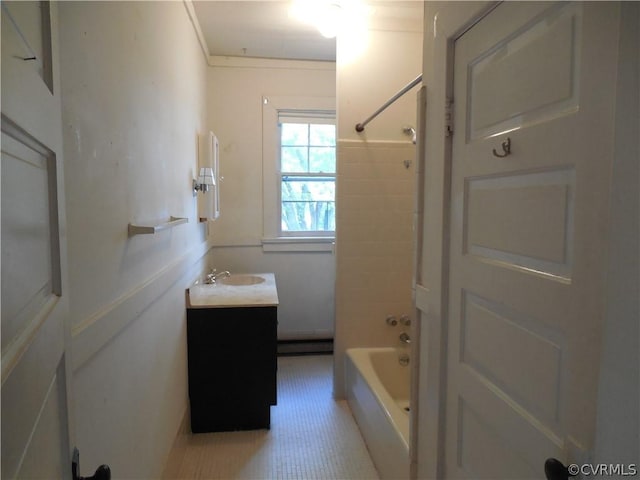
(232, 359)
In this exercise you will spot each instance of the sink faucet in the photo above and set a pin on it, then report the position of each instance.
(214, 275)
(404, 338)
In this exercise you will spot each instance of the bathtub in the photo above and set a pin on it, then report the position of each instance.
(377, 389)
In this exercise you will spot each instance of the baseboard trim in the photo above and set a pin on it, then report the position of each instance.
(305, 347)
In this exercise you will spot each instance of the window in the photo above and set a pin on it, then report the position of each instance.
(307, 171)
(298, 173)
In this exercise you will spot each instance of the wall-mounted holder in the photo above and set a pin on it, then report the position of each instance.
(151, 229)
(506, 149)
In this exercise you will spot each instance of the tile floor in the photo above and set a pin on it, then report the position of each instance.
(312, 436)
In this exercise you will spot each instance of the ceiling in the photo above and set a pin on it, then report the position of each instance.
(263, 28)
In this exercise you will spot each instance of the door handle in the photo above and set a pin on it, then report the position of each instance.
(554, 469)
(103, 472)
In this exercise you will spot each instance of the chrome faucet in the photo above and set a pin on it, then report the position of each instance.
(214, 275)
(404, 338)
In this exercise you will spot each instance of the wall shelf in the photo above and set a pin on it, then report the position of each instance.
(151, 229)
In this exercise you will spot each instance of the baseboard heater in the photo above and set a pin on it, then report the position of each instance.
(305, 347)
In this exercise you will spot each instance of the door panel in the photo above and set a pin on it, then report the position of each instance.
(527, 242)
(491, 333)
(28, 26)
(541, 61)
(44, 459)
(540, 241)
(28, 220)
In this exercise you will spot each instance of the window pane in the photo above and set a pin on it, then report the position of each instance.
(294, 159)
(307, 201)
(294, 134)
(308, 204)
(322, 135)
(322, 159)
(310, 188)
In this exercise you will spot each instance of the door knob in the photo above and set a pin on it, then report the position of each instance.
(554, 469)
(102, 473)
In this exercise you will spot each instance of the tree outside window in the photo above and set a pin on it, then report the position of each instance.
(307, 177)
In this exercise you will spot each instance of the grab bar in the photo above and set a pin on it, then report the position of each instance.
(360, 126)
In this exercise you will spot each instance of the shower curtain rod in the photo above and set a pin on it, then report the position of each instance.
(360, 126)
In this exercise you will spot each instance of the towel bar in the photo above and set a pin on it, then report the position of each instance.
(151, 229)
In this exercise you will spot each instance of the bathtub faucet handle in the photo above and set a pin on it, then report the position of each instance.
(405, 320)
(391, 320)
(405, 338)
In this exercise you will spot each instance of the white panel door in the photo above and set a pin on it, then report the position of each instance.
(35, 378)
(532, 154)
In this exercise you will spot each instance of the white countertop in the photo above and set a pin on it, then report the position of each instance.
(220, 295)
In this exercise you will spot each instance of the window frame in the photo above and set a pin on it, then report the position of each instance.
(274, 239)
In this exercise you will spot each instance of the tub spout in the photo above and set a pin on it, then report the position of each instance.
(404, 338)
(403, 359)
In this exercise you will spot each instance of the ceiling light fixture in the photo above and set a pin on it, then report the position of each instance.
(329, 20)
(330, 17)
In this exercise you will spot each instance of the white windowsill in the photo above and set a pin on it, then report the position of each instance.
(298, 244)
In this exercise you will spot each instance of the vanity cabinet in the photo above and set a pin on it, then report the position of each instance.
(232, 357)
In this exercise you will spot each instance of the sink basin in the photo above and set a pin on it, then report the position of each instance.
(240, 280)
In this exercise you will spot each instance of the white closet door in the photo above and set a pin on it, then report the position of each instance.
(35, 377)
(532, 154)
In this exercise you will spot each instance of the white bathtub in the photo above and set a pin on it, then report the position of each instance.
(377, 389)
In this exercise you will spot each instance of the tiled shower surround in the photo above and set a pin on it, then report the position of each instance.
(374, 247)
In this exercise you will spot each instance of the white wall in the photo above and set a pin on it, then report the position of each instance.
(305, 280)
(391, 60)
(133, 92)
(375, 199)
